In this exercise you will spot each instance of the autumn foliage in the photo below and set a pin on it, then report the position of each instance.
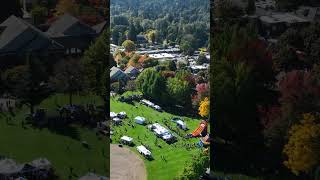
(204, 108)
(302, 149)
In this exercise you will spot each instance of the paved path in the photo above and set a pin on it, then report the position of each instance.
(125, 164)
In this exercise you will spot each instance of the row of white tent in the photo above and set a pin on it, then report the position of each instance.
(150, 104)
(116, 117)
(120, 115)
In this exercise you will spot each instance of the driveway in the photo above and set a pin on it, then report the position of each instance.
(125, 164)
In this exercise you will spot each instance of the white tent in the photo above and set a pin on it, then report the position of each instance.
(140, 120)
(116, 120)
(126, 139)
(113, 114)
(146, 102)
(122, 115)
(159, 130)
(143, 150)
(181, 124)
(167, 136)
(156, 107)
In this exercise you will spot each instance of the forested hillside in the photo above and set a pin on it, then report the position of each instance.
(161, 21)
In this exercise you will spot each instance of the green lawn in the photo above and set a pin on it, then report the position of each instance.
(24, 145)
(176, 155)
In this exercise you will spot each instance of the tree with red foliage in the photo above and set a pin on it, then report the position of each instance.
(202, 92)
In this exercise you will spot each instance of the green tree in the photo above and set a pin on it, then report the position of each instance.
(151, 84)
(251, 7)
(68, 77)
(172, 65)
(28, 83)
(179, 90)
(226, 9)
(195, 167)
(95, 61)
(132, 33)
(129, 46)
(188, 44)
(39, 14)
(152, 36)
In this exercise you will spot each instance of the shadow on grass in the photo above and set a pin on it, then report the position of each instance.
(180, 111)
(67, 130)
(251, 161)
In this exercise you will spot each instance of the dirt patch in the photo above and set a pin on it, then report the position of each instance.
(125, 164)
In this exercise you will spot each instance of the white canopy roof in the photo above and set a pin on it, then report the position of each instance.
(140, 118)
(158, 129)
(116, 119)
(113, 114)
(126, 138)
(122, 113)
(143, 150)
(147, 102)
(167, 136)
(181, 123)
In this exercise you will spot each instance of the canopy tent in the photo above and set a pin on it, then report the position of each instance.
(146, 102)
(113, 114)
(126, 138)
(140, 120)
(122, 115)
(159, 130)
(181, 124)
(143, 150)
(156, 107)
(116, 120)
(167, 136)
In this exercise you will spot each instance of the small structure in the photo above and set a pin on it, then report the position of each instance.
(122, 115)
(126, 140)
(113, 115)
(117, 121)
(144, 151)
(147, 103)
(182, 125)
(116, 74)
(151, 104)
(158, 108)
(132, 71)
(162, 133)
(140, 120)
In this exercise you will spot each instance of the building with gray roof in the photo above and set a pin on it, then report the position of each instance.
(116, 74)
(73, 34)
(19, 37)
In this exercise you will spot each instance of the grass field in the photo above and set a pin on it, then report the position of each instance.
(62, 150)
(175, 155)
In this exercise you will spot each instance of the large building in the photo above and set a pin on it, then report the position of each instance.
(73, 34)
